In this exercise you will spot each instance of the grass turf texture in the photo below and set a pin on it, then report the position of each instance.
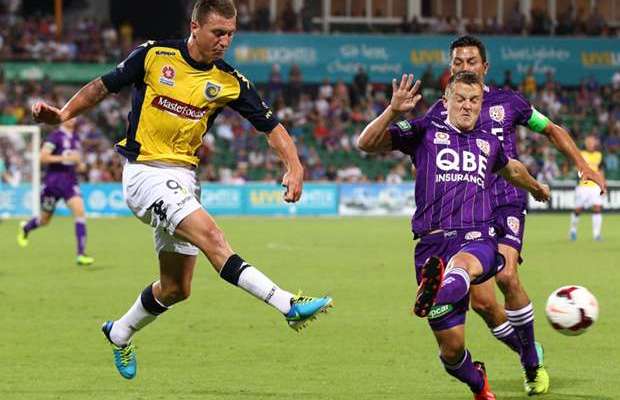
(224, 344)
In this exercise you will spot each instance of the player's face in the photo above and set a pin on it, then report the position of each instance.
(590, 143)
(463, 103)
(468, 59)
(214, 36)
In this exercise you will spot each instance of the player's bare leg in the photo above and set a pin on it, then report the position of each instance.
(200, 229)
(457, 361)
(520, 313)
(484, 302)
(76, 205)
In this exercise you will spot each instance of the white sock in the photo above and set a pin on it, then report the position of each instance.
(574, 221)
(256, 283)
(597, 223)
(135, 319)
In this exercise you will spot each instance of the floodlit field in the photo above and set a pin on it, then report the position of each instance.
(224, 344)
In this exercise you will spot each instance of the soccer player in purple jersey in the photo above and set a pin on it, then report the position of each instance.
(61, 155)
(502, 111)
(455, 164)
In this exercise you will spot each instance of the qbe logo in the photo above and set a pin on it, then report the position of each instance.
(467, 166)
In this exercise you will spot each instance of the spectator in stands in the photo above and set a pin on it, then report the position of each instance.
(515, 24)
(595, 24)
(566, 22)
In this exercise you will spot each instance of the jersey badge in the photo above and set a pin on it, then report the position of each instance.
(514, 224)
(441, 138)
(211, 91)
(404, 125)
(167, 75)
(484, 146)
(473, 235)
(497, 113)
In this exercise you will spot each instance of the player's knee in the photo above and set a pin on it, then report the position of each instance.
(508, 279)
(214, 236)
(43, 221)
(452, 354)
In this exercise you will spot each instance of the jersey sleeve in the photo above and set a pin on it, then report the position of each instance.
(406, 134)
(522, 109)
(501, 160)
(49, 143)
(130, 71)
(250, 105)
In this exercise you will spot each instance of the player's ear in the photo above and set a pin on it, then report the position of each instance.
(486, 67)
(193, 27)
(444, 100)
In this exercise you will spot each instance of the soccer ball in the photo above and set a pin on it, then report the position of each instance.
(571, 310)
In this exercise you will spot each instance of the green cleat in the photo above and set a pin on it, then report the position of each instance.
(536, 381)
(84, 260)
(22, 238)
(305, 309)
(540, 352)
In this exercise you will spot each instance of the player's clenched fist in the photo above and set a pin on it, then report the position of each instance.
(42, 112)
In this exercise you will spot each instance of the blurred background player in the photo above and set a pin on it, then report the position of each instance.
(179, 88)
(61, 156)
(587, 193)
(502, 111)
(453, 217)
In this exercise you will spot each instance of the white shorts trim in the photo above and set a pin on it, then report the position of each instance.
(162, 196)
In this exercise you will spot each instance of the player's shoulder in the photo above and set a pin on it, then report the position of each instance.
(436, 109)
(230, 70)
(53, 135)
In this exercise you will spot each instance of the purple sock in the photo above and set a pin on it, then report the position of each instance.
(523, 323)
(465, 372)
(31, 225)
(80, 236)
(507, 335)
(455, 286)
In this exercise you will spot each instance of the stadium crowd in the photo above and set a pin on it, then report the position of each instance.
(90, 40)
(325, 120)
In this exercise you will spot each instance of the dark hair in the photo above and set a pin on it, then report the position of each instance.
(202, 8)
(466, 77)
(469, 41)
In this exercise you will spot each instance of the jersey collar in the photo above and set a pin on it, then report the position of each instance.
(193, 63)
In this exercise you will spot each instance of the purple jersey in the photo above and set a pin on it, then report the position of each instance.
(502, 110)
(60, 179)
(454, 172)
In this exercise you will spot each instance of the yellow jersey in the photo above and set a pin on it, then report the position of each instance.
(595, 161)
(175, 100)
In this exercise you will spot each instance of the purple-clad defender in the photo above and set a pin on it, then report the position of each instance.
(454, 213)
(502, 111)
(60, 154)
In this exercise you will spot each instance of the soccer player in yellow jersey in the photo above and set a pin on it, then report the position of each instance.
(179, 87)
(587, 194)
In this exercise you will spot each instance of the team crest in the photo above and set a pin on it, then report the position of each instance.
(514, 224)
(167, 75)
(484, 146)
(212, 90)
(441, 138)
(497, 113)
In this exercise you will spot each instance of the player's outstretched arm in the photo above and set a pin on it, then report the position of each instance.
(563, 142)
(87, 97)
(516, 173)
(293, 180)
(375, 138)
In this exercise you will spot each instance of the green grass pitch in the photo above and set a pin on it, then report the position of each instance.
(224, 344)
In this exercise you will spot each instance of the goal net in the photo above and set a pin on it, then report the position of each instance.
(20, 173)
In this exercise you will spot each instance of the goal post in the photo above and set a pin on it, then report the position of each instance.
(21, 144)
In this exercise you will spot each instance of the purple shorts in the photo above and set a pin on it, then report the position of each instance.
(56, 189)
(510, 224)
(479, 242)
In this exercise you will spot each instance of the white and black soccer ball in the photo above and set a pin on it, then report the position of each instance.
(571, 310)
